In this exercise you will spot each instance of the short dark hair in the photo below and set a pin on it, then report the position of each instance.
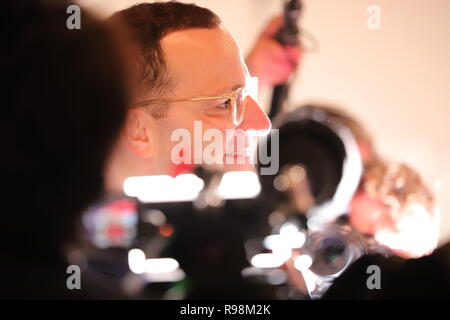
(148, 23)
(65, 102)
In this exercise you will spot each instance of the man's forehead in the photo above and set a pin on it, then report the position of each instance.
(204, 57)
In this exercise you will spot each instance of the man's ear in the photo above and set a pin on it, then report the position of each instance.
(137, 133)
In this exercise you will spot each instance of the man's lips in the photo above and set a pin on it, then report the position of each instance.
(246, 150)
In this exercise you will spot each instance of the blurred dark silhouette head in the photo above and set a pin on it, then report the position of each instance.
(66, 100)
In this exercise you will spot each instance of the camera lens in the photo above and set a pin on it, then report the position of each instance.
(333, 249)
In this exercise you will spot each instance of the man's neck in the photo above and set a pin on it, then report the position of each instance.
(123, 164)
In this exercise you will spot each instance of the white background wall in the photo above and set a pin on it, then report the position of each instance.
(396, 80)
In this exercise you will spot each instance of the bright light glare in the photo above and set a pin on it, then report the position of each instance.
(252, 88)
(288, 229)
(161, 265)
(291, 237)
(416, 234)
(174, 276)
(267, 260)
(293, 241)
(162, 188)
(139, 265)
(239, 185)
(310, 280)
(303, 262)
(136, 261)
(272, 241)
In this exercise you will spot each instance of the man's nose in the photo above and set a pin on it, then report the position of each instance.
(255, 119)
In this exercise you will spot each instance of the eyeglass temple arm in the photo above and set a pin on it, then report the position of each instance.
(148, 102)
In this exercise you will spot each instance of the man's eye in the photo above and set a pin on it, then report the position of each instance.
(224, 104)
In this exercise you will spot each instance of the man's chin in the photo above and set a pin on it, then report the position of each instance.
(239, 167)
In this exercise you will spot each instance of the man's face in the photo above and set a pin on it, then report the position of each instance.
(205, 62)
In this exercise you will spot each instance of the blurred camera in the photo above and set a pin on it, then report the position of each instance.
(320, 171)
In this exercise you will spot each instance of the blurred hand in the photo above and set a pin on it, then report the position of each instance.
(270, 61)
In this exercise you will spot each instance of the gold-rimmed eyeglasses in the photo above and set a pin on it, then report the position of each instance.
(236, 99)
